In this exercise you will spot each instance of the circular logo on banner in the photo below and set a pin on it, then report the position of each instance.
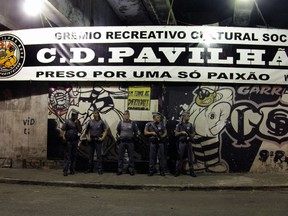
(12, 55)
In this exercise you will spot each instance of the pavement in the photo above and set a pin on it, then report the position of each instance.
(109, 180)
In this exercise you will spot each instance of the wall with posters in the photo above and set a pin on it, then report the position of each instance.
(240, 128)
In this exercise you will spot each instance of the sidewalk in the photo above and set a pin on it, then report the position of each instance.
(204, 181)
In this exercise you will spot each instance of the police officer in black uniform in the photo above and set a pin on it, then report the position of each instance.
(185, 133)
(157, 133)
(127, 130)
(70, 130)
(96, 132)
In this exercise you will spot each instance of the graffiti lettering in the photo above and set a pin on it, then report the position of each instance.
(262, 90)
(28, 122)
(249, 121)
(244, 119)
(277, 122)
(273, 160)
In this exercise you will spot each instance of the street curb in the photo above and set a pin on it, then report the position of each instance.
(145, 186)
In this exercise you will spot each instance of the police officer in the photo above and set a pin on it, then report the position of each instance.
(70, 130)
(157, 133)
(96, 132)
(184, 132)
(126, 131)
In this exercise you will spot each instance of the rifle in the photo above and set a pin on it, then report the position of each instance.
(160, 138)
(189, 136)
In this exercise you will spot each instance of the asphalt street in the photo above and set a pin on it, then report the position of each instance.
(35, 200)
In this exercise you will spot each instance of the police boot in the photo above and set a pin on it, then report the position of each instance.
(192, 173)
(90, 170)
(177, 173)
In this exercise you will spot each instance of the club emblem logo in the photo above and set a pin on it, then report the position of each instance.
(12, 55)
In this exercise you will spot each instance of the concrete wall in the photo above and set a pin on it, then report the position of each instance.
(23, 120)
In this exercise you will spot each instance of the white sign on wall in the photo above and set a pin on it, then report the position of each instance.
(146, 53)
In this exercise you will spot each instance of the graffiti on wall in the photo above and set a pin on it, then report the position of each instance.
(28, 122)
(238, 128)
(110, 101)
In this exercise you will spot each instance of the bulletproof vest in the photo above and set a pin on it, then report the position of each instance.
(126, 130)
(159, 127)
(185, 127)
(96, 128)
(71, 130)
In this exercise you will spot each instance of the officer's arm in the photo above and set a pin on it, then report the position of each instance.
(147, 132)
(63, 135)
(63, 131)
(79, 126)
(118, 129)
(165, 133)
(136, 130)
(87, 132)
(104, 134)
(179, 132)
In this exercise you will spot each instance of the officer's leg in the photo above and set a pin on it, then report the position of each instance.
(99, 157)
(73, 156)
(130, 148)
(190, 159)
(161, 156)
(152, 158)
(67, 158)
(121, 157)
(91, 156)
(181, 152)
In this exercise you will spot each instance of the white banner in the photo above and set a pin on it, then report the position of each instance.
(146, 53)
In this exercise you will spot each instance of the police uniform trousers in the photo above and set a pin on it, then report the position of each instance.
(70, 155)
(157, 149)
(184, 147)
(129, 144)
(95, 144)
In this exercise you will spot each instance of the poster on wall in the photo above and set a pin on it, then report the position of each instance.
(146, 53)
(139, 98)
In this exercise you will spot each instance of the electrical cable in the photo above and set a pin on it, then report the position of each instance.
(170, 11)
(260, 13)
